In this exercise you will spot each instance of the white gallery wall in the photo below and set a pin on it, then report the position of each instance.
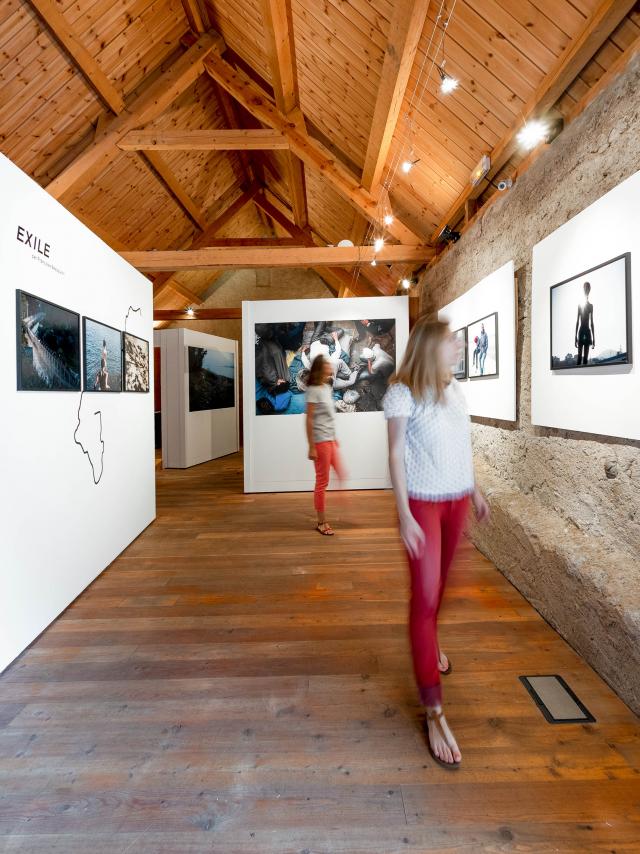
(588, 399)
(59, 528)
(490, 397)
(190, 438)
(275, 446)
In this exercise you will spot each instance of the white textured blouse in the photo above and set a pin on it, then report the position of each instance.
(438, 457)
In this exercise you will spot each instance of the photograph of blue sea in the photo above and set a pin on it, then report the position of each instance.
(211, 379)
(102, 357)
(48, 345)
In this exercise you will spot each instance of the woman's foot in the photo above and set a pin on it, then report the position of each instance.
(442, 744)
(444, 665)
(325, 529)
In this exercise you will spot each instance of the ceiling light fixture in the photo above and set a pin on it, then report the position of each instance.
(190, 311)
(378, 244)
(388, 219)
(481, 170)
(406, 283)
(532, 134)
(374, 263)
(346, 242)
(448, 83)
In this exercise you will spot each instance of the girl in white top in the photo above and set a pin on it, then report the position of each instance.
(432, 473)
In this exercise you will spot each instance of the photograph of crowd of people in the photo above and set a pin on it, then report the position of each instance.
(211, 379)
(48, 338)
(102, 356)
(482, 347)
(136, 363)
(362, 354)
(590, 318)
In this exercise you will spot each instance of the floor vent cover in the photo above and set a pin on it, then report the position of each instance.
(556, 700)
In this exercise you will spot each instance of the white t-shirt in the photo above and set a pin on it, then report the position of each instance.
(438, 457)
(324, 412)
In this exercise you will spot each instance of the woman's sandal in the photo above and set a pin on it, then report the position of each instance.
(448, 670)
(325, 529)
(436, 716)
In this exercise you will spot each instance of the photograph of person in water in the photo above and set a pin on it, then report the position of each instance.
(102, 356)
(590, 317)
(48, 341)
(362, 355)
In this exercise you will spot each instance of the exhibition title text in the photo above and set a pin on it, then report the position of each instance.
(33, 241)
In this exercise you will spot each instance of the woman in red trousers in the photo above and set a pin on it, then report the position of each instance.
(432, 473)
(321, 433)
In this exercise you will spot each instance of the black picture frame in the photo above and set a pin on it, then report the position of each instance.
(462, 375)
(146, 390)
(19, 371)
(85, 382)
(496, 374)
(628, 322)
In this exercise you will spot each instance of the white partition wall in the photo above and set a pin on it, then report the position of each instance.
(490, 397)
(275, 446)
(190, 437)
(604, 399)
(77, 469)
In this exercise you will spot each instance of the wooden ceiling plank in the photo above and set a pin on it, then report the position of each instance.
(154, 161)
(144, 109)
(596, 30)
(236, 139)
(230, 257)
(278, 30)
(405, 31)
(65, 34)
(311, 152)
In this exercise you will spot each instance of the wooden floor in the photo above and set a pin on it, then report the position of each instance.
(236, 683)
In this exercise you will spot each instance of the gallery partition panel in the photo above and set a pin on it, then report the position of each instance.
(364, 339)
(77, 468)
(487, 314)
(585, 319)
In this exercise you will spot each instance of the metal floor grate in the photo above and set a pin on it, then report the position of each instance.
(556, 700)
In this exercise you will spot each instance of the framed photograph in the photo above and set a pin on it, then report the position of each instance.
(48, 345)
(591, 317)
(482, 347)
(135, 363)
(102, 346)
(460, 369)
(362, 355)
(212, 375)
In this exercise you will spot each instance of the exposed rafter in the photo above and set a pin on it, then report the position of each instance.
(197, 15)
(65, 34)
(165, 315)
(598, 27)
(143, 110)
(280, 47)
(203, 140)
(154, 161)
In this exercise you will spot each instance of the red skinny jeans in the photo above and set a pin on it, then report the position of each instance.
(328, 457)
(443, 523)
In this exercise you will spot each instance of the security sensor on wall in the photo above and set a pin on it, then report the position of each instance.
(505, 184)
(448, 235)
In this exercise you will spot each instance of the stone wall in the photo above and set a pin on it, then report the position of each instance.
(566, 522)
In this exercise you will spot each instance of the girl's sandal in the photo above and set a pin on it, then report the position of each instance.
(436, 716)
(448, 670)
(326, 530)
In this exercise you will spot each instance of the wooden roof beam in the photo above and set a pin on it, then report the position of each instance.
(65, 35)
(165, 315)
(280, 49)
(144, 109)
(160, 170)
(314, 155)
(231, 257)
(197, 15)
(236, 139)
(597, 29)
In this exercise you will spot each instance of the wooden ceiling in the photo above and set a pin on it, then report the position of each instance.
(349, 85)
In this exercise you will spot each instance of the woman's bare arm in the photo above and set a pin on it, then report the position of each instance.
(309, 425)
(410, 531)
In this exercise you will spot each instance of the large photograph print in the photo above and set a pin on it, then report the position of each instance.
(136, 363)
(48, 342)
(102, 356)
(482, 347)
(591, 317)
(362, 354)
(211, 379)
(460, 368)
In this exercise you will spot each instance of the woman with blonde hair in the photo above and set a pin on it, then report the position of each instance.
(432, 473)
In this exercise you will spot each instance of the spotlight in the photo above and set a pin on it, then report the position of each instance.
(388, 219)
(447, 83)
(190, 311)
(406, 283)
(378, 243)
(374, 263)
(345, 242)
(448, 235)
(407, 165)
(481, 170)
(533, 133)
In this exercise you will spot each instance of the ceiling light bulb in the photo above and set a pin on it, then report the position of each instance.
(190, 311)
(448, 84)
(388, 219)
(407, 166)
(345, 242)
(532, 134)
(378, 243)
(374, 263)
(406, 284)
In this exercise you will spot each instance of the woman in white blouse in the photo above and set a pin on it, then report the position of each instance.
(432, 473)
